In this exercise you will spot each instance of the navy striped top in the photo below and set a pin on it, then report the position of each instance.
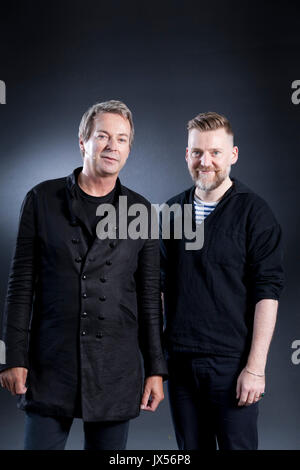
(202, 209)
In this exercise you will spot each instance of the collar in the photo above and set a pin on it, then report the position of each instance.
(77, 214)
(237, 187)
(73, 178)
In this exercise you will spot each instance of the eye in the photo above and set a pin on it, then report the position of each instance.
(101, 136)
(122, 140)
(216, 152)
(195, 153)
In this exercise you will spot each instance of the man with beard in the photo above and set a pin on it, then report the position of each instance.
(221, 300)
(80, 310)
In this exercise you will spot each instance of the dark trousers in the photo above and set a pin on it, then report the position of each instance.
(202, 393)
(51, 433)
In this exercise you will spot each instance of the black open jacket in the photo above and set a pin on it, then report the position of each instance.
(93, 311)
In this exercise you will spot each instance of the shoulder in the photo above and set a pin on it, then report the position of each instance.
(44, 190)
(180, 198)
(134, 197)
(258, 210)
(48, 186)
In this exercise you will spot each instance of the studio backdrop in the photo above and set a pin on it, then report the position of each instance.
(168, 61)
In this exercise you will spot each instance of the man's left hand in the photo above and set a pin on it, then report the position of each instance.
(153, 393)
(249, 388)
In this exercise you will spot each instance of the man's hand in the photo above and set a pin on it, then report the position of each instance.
(14, 380)
(249, 388)
(153, 393)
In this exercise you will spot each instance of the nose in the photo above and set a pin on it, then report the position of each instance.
(112, 143)
(206, 159)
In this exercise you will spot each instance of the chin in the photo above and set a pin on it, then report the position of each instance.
(106, 170)
(205, 186)
(208, 186)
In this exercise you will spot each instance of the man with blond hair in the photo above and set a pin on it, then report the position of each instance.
(221, 300)
(80, 309)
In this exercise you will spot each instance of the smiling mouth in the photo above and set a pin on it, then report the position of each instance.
(111, 159)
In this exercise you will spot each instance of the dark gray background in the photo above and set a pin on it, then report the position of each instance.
(167, 61)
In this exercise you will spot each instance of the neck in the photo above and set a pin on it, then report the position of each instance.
(215, 194)
(95, 185)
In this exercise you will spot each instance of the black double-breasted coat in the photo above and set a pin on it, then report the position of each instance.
(82, 319)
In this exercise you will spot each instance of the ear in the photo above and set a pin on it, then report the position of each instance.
(81, 145)
(186, 154)
(235, 155)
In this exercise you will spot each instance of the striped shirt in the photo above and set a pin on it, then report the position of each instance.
(202, 209)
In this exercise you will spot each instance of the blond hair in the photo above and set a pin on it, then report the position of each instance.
(210, 121)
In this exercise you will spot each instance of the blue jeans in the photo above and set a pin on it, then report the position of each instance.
(51, 433)
(202, 392)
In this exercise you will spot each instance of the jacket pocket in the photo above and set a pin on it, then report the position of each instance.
(128, 312)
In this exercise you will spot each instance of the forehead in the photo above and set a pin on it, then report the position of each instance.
(209, 139)
(111, 122)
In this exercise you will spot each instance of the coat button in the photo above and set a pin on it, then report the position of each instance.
(99, 334)
(112, 244)
(102, 298)
(84, 295)
(84, 314)
(103, 279)
(83, 333)
(78, 259)
(108, 262)
(75, 240)
(84, 276)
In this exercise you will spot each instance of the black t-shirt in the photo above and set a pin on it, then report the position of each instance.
(90, 204)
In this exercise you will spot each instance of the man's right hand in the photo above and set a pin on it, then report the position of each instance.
(14, 379)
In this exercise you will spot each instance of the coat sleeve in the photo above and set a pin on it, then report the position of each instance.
(265, 256)
(163, 256)
(18, 304)
(150, 311)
